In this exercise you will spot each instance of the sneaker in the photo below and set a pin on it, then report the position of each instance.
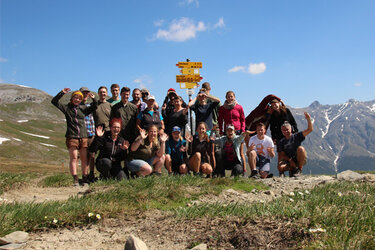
(297, 172)
(270, 175)
(254, 174)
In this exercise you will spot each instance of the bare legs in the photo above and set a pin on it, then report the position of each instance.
(196, 166)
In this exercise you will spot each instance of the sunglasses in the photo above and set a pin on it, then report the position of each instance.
(144, 94)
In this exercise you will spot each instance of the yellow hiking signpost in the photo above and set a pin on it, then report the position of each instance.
(190, 74)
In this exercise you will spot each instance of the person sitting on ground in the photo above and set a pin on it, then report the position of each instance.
(150, 116)
(76, 133)
(201, 151)
(177, 116)
(175, 153)
(260, 152)
(229, 157)
(147, 153)
(112, 149)
(203, 110)
(292, 155)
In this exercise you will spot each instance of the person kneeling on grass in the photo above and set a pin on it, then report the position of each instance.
(292, 155)
(147, 152)
(229, 158)
(202, 159)
(175, 150)
(260, 152)
(112, 149)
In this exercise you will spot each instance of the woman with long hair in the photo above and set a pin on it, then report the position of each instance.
(231, 113)
(176, 116)
(202, 159)
(147, 152)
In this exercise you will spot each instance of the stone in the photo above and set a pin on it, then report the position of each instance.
(268, 192)
(200, 247)
(15, 237)
(12, 246)
(349, 175)
(134, 243)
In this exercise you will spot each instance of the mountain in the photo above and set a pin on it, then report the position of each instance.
(343, 136)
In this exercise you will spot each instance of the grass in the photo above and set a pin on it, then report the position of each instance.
(344, 212)
(10, 180)
(57, 180)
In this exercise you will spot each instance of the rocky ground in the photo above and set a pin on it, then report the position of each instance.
(160, 230)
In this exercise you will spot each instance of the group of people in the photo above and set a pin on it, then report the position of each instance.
(139, 137)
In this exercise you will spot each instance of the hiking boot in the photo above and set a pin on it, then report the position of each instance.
(254, 174)
(91, 178)
(270, 175)
(281, 175)
(297, 172)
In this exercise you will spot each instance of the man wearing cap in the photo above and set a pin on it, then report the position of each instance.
(150, 116)
(292, 155)
(260, 152)
(115, 90)
(137, 100)
(90, 126)
(128, 113)
(229, 157)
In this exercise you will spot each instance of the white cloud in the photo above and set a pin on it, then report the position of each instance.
(357, 84)
(237, 69)
(257, 68)
(253, 68)
(188, 2)
(2, 59)
(180, 30)
(159, 22)
(220, 23)
(143, 81)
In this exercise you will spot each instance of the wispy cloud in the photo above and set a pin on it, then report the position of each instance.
(357, 84)
(159, 22)
(2, 59)
(143, 81)
(220, 23)
(237, 69)
(180, 30)
(189, 2)
(253, 68)
(183, 29)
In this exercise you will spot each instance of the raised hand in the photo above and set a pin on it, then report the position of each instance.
(307, 116)
(99, 131)
(164, 137)
(91, 95)
(125, 145)
(143, 134)
(189, 137)
(66, 90)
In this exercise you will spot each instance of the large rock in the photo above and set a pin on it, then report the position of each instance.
(349, 175)
(16, 237)
(12, 246)
(134, 243)
(200, 247)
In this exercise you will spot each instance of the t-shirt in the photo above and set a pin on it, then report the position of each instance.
(262, 145)
(145, 151)
(203, 113)
(172, 148)
(289, 146)
(113, 102)
(229, 151)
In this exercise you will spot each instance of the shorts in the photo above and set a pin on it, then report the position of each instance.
(77, 143)
(90, 140)
(263, 163)
(136, 164)
(176, 166)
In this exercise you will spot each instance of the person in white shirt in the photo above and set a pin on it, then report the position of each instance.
(260, 151)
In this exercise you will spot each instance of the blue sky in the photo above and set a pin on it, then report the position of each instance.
(301, 51)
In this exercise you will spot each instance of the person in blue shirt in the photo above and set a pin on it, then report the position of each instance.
(175, 153)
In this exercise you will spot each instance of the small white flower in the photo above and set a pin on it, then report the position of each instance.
(357, 191)
(291, 199)
(307, 192)
(90, 215)
(45, 217)
(317, 230)
(98, 216)
(261, 201)
(339, 194)
(300, 193)
(291, 194)
(55, 220)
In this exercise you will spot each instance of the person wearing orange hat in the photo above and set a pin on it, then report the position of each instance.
(76, 133)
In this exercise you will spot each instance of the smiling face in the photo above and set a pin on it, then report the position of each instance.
(275, 106)
(136, 95)
(261, 131)
(115, 128)
(230, 97)
(176, 135)
(102, 93)
(152, 133)
(230, 133)
(76, 99)
(201, 129)
(287, 131)
(115, 92)
(125, 96)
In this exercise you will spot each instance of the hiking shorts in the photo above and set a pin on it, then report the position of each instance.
(76, 143)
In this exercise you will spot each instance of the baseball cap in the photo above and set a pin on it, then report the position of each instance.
(171, 90)
(230, 126)
(151, 97)
(176, 128)
(84, 89)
